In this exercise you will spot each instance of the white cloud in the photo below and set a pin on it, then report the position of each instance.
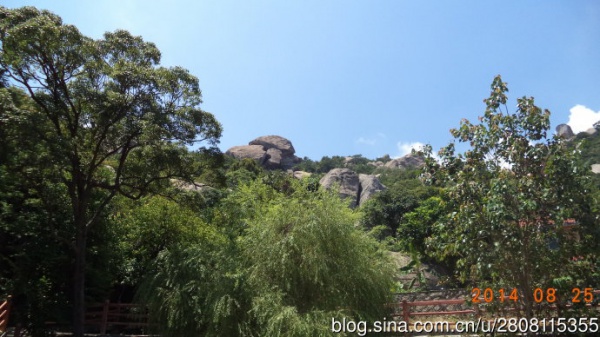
(363, 140)
(406, 148)
(582, 118)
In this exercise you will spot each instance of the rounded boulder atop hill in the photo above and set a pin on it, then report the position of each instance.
(409, 161)
(272, 152)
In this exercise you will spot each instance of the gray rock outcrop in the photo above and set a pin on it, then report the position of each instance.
(429, 275)
(256, 152)
(272, 152)
(376, 163)
(369, 185)
(564, 131)
(357, 188)
(596, 168)
(349, 184)
(274, 157)
(301, 174)
(408, 161)
(275, 142)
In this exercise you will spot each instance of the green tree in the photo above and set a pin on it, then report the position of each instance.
(403, 194)
(32, 220)
(110, 119)
(307, 262)
(511, 192)
(292, 259)
(418, 225)
(150, 226)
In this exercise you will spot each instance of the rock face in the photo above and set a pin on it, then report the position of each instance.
(596, 168)
(369, 185)
(349, 184)
(429, 274)
(272, 152)
(255, 152)
(273, 158)
(301, 174)
(408, 161)
(357, 188)
(275, 142)
(564, 131)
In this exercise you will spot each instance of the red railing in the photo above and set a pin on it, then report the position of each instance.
(405, 310)
(4, 314)
(109, 315)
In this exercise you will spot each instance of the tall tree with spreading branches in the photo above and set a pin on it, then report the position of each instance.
(111, 119)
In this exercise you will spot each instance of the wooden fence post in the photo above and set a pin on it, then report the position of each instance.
(405, 311)
(104, 317)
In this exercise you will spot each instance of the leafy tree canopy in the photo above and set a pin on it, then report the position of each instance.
(110, 120)
(511, 193)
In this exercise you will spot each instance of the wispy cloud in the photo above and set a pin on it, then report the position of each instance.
(582, 118)
(370, 141)
(363, 140)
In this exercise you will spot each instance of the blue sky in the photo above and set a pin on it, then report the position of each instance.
(366, 77)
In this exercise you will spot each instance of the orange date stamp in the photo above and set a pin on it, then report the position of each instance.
(547, 295)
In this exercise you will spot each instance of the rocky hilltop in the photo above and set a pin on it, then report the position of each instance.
(408, 161)
(272, 152)
(277, 153)
(590, 155)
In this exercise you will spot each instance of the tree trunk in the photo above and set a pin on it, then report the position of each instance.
(79, 281)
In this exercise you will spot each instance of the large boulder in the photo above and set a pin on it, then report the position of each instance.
(564, 131)
(356, 187)
(273, 158)
(369, 185)
(596, 168)
(256, 152)
(409, 161)
(272, 152)
(275, 142)
(349, 184)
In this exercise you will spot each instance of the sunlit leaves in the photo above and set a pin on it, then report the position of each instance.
(511, 191)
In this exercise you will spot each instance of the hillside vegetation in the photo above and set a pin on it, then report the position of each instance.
(102, 198)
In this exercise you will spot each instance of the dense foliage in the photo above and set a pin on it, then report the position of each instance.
(102, 198)
(296, 261)
(106, 118)
(510, 194)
